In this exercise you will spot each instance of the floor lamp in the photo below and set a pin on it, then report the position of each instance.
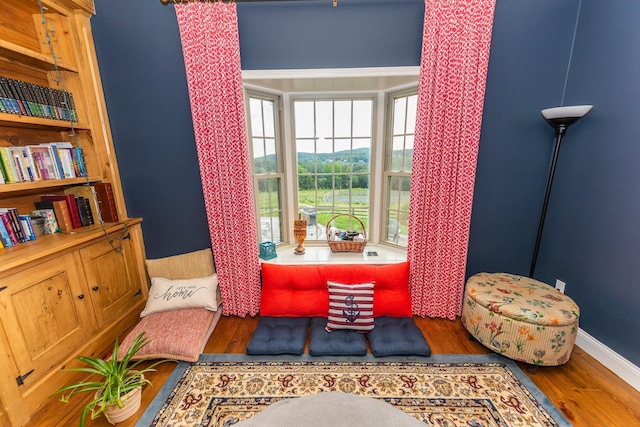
(560, 118)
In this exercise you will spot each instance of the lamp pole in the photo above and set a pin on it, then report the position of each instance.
(560, 131)
(560, 118)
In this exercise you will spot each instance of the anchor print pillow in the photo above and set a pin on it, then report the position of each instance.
(350, 306)
(166, 294)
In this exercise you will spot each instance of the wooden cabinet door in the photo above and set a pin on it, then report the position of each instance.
(45, 316)
(111, 273)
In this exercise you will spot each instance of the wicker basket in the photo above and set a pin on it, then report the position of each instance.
(346, 245)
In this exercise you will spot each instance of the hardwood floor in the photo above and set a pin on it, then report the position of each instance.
(585, 391)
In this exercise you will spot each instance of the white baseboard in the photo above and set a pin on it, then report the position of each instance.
(620, 366)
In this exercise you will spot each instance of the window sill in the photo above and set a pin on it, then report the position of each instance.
(323, 255)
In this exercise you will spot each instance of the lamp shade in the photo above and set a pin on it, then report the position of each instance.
(565, 116)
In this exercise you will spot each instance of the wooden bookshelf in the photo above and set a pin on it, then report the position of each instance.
(62, 294)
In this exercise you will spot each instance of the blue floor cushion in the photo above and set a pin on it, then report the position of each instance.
(397, 336)
(279, 335)
(341, 342)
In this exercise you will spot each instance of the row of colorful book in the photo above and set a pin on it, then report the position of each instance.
(79, 206)
(30, 99)
(54, 160)
(15, 228)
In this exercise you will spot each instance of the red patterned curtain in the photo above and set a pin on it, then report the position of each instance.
(455, 55)
(211, 49)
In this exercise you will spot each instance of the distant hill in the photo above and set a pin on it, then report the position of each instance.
(360, 155)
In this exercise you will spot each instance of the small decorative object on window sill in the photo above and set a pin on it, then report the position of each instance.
(267, 250)
(346, 241)
(300, 233)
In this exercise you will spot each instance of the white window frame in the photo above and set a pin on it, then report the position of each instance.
(380, 144)
(280, 174)
(387, 170)
(339, 96)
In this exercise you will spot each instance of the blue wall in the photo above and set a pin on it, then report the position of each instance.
(592, 238)
(591, 235)
(143, 75)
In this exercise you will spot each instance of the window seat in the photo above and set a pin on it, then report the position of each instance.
(322, 254)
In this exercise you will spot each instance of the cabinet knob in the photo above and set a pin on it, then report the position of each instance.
(95, 288)
(81, 296)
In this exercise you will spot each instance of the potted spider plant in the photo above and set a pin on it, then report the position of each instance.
(117, 394)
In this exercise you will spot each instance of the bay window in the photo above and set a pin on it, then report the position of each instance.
(321, 154)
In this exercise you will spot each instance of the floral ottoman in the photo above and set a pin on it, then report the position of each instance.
(520, 318)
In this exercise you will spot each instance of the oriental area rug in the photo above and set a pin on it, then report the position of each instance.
(441, 390)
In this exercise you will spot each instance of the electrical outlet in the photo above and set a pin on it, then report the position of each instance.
(560, 285)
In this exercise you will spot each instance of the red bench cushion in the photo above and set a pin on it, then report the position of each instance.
(301, 290)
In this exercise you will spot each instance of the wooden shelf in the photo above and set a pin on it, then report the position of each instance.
(104, 262)
(18, 54)
(19, 120)
(53, 244)
(39, 185)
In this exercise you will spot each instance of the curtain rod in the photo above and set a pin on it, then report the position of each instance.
(166, 2)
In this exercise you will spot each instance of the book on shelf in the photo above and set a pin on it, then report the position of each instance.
(44, 161)
(8, 97)
(12, 239)
(106, 201)
(24, 164)
(50, 224)
(30, 99)
(52, 160)
(84, 208)
(67, 161)
(15, 229)
(4, 234)
(61, 210)
(27, 227)
(89, 193)
(72, 206)
(6, 161)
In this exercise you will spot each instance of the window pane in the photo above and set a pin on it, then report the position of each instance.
(271, 165)
(304, 122)
(264, 144)
(342, 150)
(408, 154)
(343, 118)
(269, 201)
(401, 140)
(412, 102)
(306, 155)
(324, 145)
(342, 182)
(360, 182)
(392, 226)
(362, 117)
(269, 119)
(306, 182)
(397, 153)
(338, 181)
(258, 156)
(399, 115)
(361, 155)
(405, 192)
(324, 119)
(255, 108)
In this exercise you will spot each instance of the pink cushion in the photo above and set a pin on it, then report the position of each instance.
(350, 306)
(178, 334)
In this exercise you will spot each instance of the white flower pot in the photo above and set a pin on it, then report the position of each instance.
(131, 401)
